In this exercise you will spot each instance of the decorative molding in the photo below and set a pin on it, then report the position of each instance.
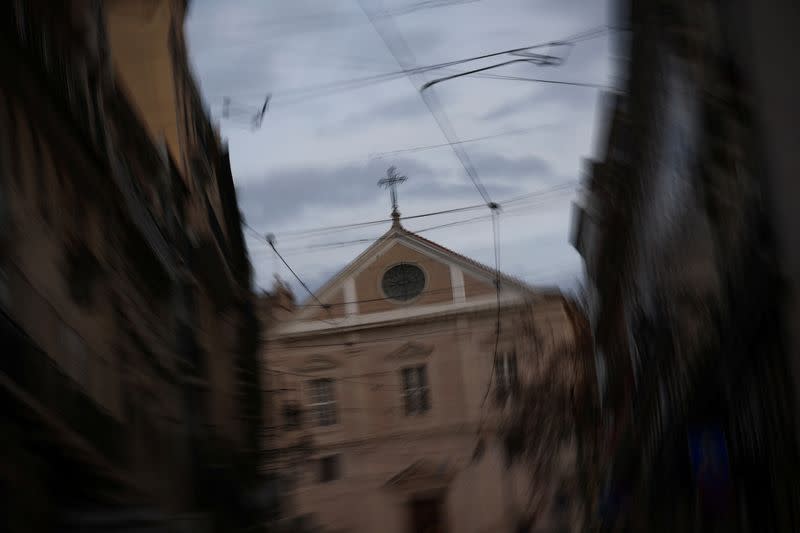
(411, 350)
(318, 363)
(350, 296)
(395, 237)
(430, 311)
(423, 474)
(457, 284)
(404, 303)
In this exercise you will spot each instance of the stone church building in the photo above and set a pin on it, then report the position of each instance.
(386, 401)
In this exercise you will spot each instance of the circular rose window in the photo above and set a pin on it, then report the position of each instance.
(403, 282)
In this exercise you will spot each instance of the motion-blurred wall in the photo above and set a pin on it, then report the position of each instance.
(687, 237)
(129, 368)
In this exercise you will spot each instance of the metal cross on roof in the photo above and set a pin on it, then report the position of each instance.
(391, 181)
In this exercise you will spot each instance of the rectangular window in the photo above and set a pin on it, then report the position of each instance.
(415, 390)
(506, 374)
(291, 416)
(323, 402)
(329, 469)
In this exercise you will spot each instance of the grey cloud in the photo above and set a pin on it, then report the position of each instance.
(423, 39)
(573, 15)
(318, 277)
(285, 194)
(227, 52)
(502, 175)
(543, 96)
(499, 168)
(465, 191)
(404, 108)
(248, 47)
(586, 63)
(507, 109)
(408, 108)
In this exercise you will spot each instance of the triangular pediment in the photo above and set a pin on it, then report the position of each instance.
(450, 278)
(317, 363)
(411, 350)
(423, 473)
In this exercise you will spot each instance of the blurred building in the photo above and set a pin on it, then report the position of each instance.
(548, 421)
(129, 336)
(392, 387)
(686, 294)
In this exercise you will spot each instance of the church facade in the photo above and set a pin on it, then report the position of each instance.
(389, 388)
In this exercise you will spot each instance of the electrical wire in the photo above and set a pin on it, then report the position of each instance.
(432, 102)
(495, 234)
(521, 210)
(324, 19)
(516, 211)
(561, 188)
(298, 278)
(311, 248)
(302, 94)
(271, 242)
(327, 229)
(435, 108)
(404, 58)
(556, 82)
(383, 155)
(431, 83)
(355, 225)
(438, 290)
(530, 58)
(427, 4)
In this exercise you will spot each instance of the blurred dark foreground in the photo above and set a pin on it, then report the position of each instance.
(689, 232)
(130, 331)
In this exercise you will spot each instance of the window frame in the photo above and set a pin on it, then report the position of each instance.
(390, 298)
(506, 373)
(416, 390)
(334, 468)
(324, 409)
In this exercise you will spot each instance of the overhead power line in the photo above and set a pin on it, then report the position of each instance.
(382, 155)
(403, 56)
(517, 209)
(357, 225)
(426, 4)
(496, 243)
(405, 59)
(325, 19)
(555, 82)
(431, 83)
(330, 229)
(271, 241)
(326, 229)
(301, 94)
(436, 291)
(527, 56)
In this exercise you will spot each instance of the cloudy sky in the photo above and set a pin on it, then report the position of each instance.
(321, 148)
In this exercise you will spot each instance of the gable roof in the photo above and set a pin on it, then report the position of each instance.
(425, 472)
(398, 233)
